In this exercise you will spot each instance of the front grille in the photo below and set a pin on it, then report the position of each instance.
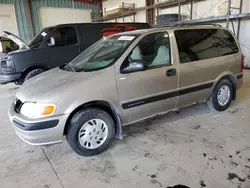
(18, 106)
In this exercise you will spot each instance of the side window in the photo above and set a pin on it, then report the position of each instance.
(65, 36)
(196, 44)
(153, 49)
(225, 42)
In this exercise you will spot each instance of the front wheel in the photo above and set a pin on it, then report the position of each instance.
(222, 96)
(19, 82)
(33, 73)
(91, 131)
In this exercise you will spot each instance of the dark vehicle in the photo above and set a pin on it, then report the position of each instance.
(55, 46)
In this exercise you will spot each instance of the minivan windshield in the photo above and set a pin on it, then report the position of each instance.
(37, 41)
(102, 54)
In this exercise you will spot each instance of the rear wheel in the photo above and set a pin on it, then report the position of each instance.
(91, 131)
(33, 73)
(222, 96)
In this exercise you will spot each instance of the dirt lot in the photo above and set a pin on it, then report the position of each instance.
(196, 148)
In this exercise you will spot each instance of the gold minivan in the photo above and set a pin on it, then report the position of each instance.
(126, 78)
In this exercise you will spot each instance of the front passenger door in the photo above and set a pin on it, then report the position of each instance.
(146, 93)
(66, 46)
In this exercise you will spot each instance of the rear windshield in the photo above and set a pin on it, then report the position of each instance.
(201, 44)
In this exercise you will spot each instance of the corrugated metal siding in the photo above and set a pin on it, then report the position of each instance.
(35, 4)
(22, 18)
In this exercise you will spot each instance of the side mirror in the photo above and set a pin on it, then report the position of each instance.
(51, 41)
(133, 66)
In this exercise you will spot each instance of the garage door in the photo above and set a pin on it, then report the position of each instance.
(8, 19)
(52, 16)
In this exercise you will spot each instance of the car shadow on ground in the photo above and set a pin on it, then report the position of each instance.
(187, 113)
(166, 119)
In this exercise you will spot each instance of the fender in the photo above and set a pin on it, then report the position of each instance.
(118, 123)
(34, 67)
(106, 106)
(226, 75)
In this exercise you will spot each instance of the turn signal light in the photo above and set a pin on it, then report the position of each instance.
(48, 110)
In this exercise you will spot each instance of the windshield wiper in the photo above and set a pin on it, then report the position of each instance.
(70, 68)
(67, 67)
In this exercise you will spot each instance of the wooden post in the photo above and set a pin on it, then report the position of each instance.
(30, 18)
(122, 11)
(134, 13)
(191, 10)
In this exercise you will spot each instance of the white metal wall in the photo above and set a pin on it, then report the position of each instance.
(208, 8)
(200, 10)
(8, 19)
(53, 15)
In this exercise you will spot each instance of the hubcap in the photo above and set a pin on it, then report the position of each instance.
(93, 134)
(223, 95)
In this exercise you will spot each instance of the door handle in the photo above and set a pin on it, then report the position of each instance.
(171, 72)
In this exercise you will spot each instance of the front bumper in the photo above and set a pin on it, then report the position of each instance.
(6, 78)
(41, 131)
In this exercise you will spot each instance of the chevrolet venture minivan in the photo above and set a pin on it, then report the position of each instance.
(125, 78)
(55, 46)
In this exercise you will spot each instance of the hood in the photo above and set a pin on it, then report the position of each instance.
(15, 39)
(47, 82)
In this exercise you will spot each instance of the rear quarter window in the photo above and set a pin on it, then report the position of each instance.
(201, 44)
(225, 43)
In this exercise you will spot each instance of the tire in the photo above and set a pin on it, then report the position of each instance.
(89, 124)
(33, 73)
(220, 103)
(19, 82)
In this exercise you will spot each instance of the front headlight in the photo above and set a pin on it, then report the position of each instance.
(36, 110)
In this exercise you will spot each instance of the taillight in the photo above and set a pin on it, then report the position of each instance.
(242, 63)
